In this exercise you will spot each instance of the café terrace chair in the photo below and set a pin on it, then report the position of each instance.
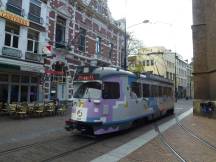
(31, 107)
(38, 109)
(11, 108)
(50, 108)
(62, 109)
(21, 110)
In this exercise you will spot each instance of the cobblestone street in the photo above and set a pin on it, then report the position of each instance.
(44, 139)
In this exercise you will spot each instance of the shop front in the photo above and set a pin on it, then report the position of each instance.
(20, 81)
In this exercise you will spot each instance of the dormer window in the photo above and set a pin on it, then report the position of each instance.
(15, 6)
(35, 11)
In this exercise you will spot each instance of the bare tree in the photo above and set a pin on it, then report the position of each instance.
(133, 44)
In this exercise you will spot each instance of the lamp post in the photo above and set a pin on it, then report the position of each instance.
(175, 79)
(125, 45)
(125, 39)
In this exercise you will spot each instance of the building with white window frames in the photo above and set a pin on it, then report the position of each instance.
(23, 26)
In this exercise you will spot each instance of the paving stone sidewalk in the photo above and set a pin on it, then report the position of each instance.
(187, 146)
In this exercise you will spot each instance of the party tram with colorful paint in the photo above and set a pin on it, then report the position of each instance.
(109, 99)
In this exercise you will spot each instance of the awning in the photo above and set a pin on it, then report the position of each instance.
(4, 66)
(6, 63)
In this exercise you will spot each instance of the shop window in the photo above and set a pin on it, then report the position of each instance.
(11, 34)
(135, 90)
(3, 92)
(111, 90)
(82, 39)
(33, 38)
(98, 46)
(34, 80)
(146, 92)
(35, 11)
(15, 78)
(25, 79)
(14, 93)
(33, 93)
(3, 77)
(24, 94)
(60, 32)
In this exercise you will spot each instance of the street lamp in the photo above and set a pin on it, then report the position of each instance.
(125, 38)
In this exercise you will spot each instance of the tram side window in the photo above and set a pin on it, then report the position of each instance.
(160, 91)
(111, 90)
(146, 92)
(154, 91)
(136, 89)
(168, 91)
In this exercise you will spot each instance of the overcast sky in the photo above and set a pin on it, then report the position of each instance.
(172, 20)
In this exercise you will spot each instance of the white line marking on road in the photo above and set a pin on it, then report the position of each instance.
(131, 146)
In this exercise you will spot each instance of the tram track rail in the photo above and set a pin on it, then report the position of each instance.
(163, 140)
(198, 138)
(19, 148)
(68, 152)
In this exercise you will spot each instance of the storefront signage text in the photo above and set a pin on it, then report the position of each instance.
(15, 18)
(54, 72)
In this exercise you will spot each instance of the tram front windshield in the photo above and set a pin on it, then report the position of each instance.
(87, 90)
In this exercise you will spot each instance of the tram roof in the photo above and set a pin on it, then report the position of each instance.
(103, 72)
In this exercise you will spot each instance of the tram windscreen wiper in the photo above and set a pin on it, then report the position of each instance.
(88, 94)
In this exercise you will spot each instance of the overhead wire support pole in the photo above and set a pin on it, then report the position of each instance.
(125, 37)
(175, 78)
(125, 45)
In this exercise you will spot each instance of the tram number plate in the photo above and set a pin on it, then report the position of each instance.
(81, 114)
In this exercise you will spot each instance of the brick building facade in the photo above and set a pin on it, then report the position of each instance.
(81, 32)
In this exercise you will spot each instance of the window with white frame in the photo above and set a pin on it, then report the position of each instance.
(12, 31)
(35, 11)
(33, 37)
(98, 45)
(110, 50)
(82, 39)
(60, 30)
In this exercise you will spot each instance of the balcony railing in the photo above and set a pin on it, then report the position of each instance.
(33, 57)
(15, 9)
(35, 18)
(11, 52)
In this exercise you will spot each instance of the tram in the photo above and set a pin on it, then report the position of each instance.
(107, 99)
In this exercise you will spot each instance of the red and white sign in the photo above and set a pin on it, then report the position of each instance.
(47, 49)
(54, 72)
